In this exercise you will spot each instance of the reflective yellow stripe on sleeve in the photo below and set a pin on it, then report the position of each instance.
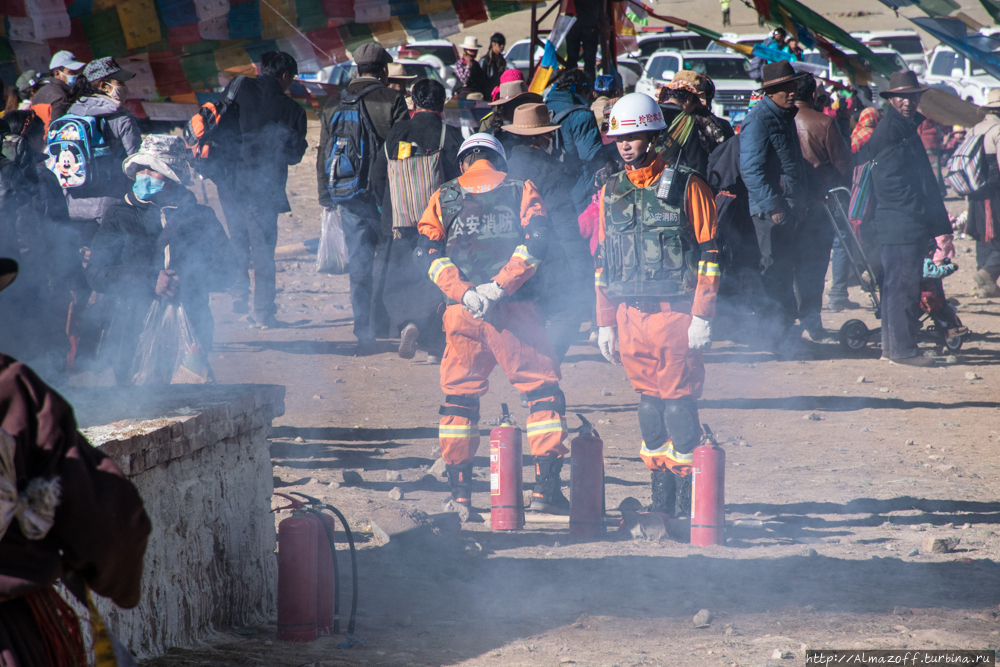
(521, 252)
(710, 269)
(437, 266)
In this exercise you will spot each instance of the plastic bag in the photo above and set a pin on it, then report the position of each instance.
(332, 254)
(169, 351)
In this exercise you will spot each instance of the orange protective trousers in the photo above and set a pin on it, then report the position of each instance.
(655, 353)
(515, 339)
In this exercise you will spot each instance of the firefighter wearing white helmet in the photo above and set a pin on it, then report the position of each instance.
(657, 279)
(482, 237)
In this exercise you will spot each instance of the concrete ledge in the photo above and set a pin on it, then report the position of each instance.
(199, 456)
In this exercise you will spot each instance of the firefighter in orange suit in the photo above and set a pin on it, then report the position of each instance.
(481, 238)
(657, 279)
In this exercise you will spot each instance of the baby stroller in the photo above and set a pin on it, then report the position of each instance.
(936, 322)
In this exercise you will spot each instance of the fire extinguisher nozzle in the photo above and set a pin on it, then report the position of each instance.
(505, 413)
(586, 428)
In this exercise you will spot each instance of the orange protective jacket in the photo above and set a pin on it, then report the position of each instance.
(480, 177)
(701, 214)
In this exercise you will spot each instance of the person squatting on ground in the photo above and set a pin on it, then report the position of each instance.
(158, 242)
(367, 247)
(909, 213)
(482, 237)
(828, 164)
(984, 207)
(66, 512)
(772, 168)
(657, 278)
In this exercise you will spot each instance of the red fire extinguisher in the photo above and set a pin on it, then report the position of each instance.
(297, 574)
(506, 480)
(586, 514)
(708, 503)
(325, 566)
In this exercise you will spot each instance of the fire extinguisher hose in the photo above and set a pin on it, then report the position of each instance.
(317, 503)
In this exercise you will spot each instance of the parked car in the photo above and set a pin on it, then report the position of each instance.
(341, 74)
(440, 53)
(906, 42)
(970, 81)
(648, 44)
(729, 72)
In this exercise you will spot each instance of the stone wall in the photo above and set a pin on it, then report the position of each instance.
(199, 457)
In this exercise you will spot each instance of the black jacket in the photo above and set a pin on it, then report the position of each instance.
(273, 132)
(424, 129)
(127, 255)
(909, 208)
(385, 107)
(493, 67)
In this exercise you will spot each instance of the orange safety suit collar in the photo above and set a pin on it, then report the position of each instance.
(643, 177)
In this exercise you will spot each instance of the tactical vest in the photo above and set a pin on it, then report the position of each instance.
(482, 228)
(649, 248)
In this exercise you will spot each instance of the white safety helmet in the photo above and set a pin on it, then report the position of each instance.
(635, 112)
(478, 142)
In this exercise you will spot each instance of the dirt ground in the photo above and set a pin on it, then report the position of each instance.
(839, 466)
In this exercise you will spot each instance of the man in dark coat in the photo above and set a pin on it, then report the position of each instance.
(493, 63)
(909, 213)
(579, 136)
(52, 101)
(411, 301)
(771, 166)
(828, 164)
(92, 530)
(565, 295)
(273, 136)
(158, 243)
(367, 247)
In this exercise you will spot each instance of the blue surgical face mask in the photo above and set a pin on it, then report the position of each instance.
(71, 79)
(146, 187)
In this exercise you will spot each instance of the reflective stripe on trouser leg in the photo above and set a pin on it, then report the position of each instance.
(459, 438)
(666, 458)
(546, 431)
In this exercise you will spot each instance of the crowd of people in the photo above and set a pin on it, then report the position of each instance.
(642, 217)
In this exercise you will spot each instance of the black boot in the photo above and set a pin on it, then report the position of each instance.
(683, 496)
(548, 497)
(664, 492)
(460, 478)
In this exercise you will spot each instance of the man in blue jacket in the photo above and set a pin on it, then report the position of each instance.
(772, 169)
(579, 135)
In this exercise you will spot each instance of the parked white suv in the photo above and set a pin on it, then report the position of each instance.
(972, 83)
(906, 42)
(729, 72)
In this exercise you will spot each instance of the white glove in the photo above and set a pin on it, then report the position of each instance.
(607, 338)
(700, 333)
(474, 303)
(490, 293)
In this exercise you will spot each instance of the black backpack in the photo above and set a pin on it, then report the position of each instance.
(214, 128)
(352, 147)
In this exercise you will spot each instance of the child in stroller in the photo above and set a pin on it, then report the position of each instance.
(937, 266)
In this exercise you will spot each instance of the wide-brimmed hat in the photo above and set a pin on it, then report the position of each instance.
(530, 120)
(470, 44)
(993, 99)
(775, 74)
(105, 68)
(397, 71)
(903, 83)
(516, 90)
(8, 272)
(164, 153)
